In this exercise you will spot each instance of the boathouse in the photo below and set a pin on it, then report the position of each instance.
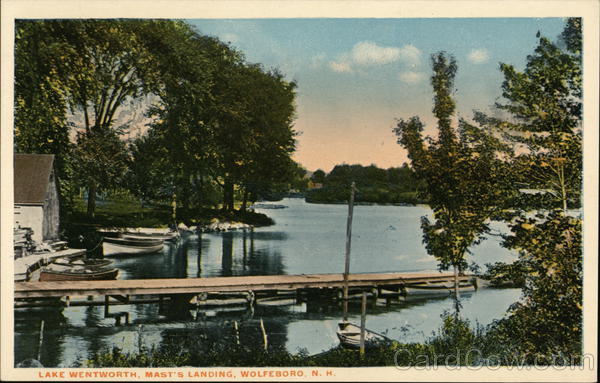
(36, 202)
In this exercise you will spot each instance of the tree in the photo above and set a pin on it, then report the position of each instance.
(318, 176)
(40, 99)
(460, 172)
(547, 322)
(545, 103)
(101, 158)
(180, 128)
(103, 65)
(251, 120)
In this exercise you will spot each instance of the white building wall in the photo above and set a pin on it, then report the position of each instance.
(30, 216)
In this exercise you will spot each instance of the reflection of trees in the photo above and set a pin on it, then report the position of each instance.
(264, 261)
(27, 335)
(227, 255)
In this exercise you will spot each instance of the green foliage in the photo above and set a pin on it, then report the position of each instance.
(40, 124)
(375, 185)
(548, 320)
(100, 157)
(464, 181)
(545, 103)
(502, 274)
(217, 121)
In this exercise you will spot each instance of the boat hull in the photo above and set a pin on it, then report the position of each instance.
(437, 289)
(349, 337)
(111, 249)
(89, 262)
(51, 276)
(146, 236)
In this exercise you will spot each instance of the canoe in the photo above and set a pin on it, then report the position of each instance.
(55, 272)
(144, 236)
(113, 246)
(349, 336)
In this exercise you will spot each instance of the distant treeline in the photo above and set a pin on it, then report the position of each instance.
(375, 185)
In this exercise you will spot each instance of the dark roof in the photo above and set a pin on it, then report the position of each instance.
(31, 176)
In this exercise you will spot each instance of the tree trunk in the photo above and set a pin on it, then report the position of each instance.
(244, 201)
(91, 205)
(228, 195)
(456, 291)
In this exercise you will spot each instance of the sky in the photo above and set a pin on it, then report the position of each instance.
(356, 77)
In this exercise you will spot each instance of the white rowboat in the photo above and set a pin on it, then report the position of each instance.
(113, 246)
(349, 336)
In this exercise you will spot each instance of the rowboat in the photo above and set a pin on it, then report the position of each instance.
(437, 288)
(55, 272)
(349, 336)
(171, 236)
(89, 262)
(113, 246)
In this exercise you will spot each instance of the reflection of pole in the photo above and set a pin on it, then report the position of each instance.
(363, 320)
(264, 333)
(199, 253)
(244, 250)
(348, 241)
(39, 354)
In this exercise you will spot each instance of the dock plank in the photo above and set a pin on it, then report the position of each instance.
(219, 284)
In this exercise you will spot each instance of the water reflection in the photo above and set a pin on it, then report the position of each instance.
(306, 239)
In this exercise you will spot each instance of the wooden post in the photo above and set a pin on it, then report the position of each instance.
(39, 353)
(264, 333)
(363, 320)
(348, 245)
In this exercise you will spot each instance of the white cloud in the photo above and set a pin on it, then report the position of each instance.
(369, 53)
(410, 54)
(478, 56)
(411, 77)
(342, 67)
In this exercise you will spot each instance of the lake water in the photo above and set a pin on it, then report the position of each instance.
(306, 239)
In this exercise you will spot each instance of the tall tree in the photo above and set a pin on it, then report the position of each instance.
(40, 99)
(180, 126)
(545, 103)
(460, 171)
(103, 65)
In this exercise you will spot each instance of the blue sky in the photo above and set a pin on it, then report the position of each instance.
(356, 76)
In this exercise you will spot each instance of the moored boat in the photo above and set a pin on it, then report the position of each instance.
(349, 336)
(170, 236)
(55, 272)
(88, 262)
(437, 288)
(113, 246)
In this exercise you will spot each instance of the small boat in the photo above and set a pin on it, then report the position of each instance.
(349, 336)
(113, 246)
(55, 272)
(438, 288)
(170, 236)
(89, 262)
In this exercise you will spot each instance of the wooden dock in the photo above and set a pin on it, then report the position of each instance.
(192, 286)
